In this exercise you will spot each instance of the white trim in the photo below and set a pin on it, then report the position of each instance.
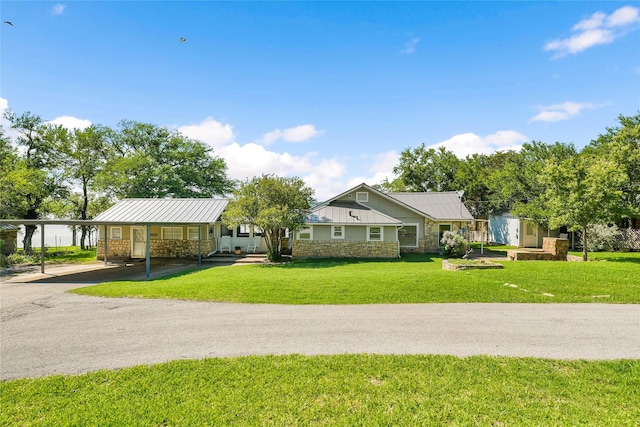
(417, 226)
(342, 231)
(144, 242)
(189, 230)
(310, 227)
(369, 239)
(171, 228)
(362, 196)
(112, 229)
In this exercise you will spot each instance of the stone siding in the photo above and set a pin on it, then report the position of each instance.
(343, 249)
(159, 248)
(553, 249)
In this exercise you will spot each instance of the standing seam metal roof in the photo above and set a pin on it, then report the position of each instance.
(356, 214)
(166, 211)
(438, 205)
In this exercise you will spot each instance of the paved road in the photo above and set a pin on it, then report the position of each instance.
(46, 331)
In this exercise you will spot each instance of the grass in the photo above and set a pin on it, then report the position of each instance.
(413, 279)
(59, 255)
(341, 390)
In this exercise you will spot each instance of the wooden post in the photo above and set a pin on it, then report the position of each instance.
(148, 251)
(105, 244)
(42, 248)
(199, 244)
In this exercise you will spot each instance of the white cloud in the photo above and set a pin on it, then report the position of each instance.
(58, 9)
(209, 131)
(598, 29)
(559, 112)
(465, 144)
(410, 46)
(71, 122)
(294, 134)
(4, 105)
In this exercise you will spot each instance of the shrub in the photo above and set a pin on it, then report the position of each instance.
(601, 237)
(454, 244)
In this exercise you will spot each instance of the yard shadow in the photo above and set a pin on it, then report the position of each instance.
(336, 262)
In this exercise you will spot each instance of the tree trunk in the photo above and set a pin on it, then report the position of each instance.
(584, 244)
(83, 213)
(83, 237)
(28, 235)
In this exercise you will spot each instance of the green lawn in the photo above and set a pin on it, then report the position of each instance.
(342, 390)
(59, 255)
(413, 279)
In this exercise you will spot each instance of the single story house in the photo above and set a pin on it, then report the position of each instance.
(9, 237)
(177, 228)
(365, 222)
(511, 230)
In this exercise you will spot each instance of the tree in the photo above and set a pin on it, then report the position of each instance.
(582, 190)
(422, 169)
(34, 176)
(153, 161)
(621, 145)
(521, 180)
(271, 203)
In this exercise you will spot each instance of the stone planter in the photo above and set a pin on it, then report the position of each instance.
(470, 265)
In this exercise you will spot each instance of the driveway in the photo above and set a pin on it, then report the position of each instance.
(46, 331)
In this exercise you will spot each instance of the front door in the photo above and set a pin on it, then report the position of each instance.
(138, 242)
(530, 234)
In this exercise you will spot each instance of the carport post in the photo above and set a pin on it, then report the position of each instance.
(199, 244)
(42, 248)
(148, 250)
(105, 244)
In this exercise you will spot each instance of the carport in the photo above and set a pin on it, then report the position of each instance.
(42, 223)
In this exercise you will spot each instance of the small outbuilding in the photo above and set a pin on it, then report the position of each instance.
(9, 237)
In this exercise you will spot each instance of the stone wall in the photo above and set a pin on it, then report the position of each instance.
(121, 248)
(343, 249)
(559, 248)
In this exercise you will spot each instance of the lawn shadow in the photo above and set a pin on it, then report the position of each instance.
(336, 262)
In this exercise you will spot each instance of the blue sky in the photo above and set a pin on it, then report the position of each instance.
(328, 91)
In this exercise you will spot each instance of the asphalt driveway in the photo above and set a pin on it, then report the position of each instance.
(46, 331)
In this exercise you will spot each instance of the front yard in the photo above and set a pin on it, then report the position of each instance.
(412, 279)
(340, 390)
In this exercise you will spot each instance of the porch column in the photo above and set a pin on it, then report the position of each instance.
(200, 244)
(148, 251)
(42, 248)
(105, 244)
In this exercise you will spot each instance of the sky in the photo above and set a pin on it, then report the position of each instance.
(329, 91)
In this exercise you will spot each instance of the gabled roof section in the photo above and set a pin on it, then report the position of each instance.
(348, 213)
(165, 211)
(445, 205)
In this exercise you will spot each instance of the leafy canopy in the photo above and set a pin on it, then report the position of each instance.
(271, 203)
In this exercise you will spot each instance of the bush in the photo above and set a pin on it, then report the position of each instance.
(454, 244)
(601, 237)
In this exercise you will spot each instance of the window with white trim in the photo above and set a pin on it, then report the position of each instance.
(192, 233)
(171, 233)
(362, 196)
(337, 231)
(375, 234)
(116, 233)
(305, 233)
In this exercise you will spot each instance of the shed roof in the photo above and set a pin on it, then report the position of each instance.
(9, 227)
(444, 205)
(165, 211)
(341, 212)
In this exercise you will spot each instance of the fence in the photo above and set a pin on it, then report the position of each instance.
(629, 238)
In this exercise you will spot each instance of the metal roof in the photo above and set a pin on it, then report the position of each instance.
(9, 227)
(445, 205)
(348, 213)
(165, 211)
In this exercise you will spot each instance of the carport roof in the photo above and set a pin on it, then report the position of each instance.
(165, 211)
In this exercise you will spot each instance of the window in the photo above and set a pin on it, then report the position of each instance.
(362, 196)
(116, 233)
(192, 233)
(305, 233)
(171, 233)
(408, 236)
(337, 231)
(243, 230)
(374, 234)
